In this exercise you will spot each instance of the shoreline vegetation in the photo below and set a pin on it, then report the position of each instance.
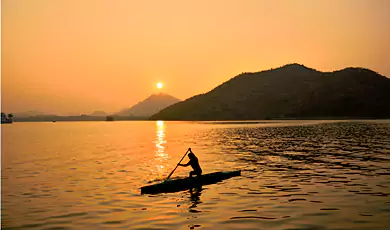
(6, 119)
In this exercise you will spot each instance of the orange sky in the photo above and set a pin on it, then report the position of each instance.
(77, 56)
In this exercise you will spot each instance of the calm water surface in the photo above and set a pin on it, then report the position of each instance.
(295, 175)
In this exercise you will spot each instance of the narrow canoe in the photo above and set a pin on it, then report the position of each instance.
(187, 183)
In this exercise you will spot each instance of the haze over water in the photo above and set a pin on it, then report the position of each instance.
(295, 175)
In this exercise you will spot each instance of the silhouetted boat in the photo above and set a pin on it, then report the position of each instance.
(110, 118)
(189, 182)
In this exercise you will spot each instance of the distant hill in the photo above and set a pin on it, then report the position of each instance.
(98, 114)
(151, 105)
(30, 113)
(51, 118)
(291, 91)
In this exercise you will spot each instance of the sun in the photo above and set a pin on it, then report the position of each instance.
(159, 85)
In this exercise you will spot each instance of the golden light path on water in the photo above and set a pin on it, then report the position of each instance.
(161, 155)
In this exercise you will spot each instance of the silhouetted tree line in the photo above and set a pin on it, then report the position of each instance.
(6, 118)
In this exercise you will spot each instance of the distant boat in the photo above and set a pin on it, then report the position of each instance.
(110, 118)
(7, 121)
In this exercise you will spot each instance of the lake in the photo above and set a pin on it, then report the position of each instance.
(313, 175)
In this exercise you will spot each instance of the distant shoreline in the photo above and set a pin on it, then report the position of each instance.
(116, 118)
(77, 118)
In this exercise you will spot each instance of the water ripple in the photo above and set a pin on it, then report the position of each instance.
(295, 175)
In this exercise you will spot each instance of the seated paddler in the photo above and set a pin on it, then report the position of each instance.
(194, 164)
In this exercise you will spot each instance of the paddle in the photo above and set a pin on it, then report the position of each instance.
(189, 149)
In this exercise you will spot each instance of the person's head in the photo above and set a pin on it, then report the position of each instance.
(191, 155)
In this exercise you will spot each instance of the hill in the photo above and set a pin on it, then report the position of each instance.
(291, 91)
(98, 113)
(30, 113)
(151, 105)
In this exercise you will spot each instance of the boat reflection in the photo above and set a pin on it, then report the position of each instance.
(195, 198)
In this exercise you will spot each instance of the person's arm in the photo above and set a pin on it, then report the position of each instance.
(185, 165)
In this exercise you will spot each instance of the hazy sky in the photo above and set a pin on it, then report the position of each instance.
(77, 56)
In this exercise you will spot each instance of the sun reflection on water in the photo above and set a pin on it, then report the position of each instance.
(160, 141)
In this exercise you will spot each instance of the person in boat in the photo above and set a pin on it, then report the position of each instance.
(194, 164)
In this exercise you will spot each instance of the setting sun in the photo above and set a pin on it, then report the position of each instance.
(159, 85)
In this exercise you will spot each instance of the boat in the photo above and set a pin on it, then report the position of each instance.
(188, 183)
(110, 118)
